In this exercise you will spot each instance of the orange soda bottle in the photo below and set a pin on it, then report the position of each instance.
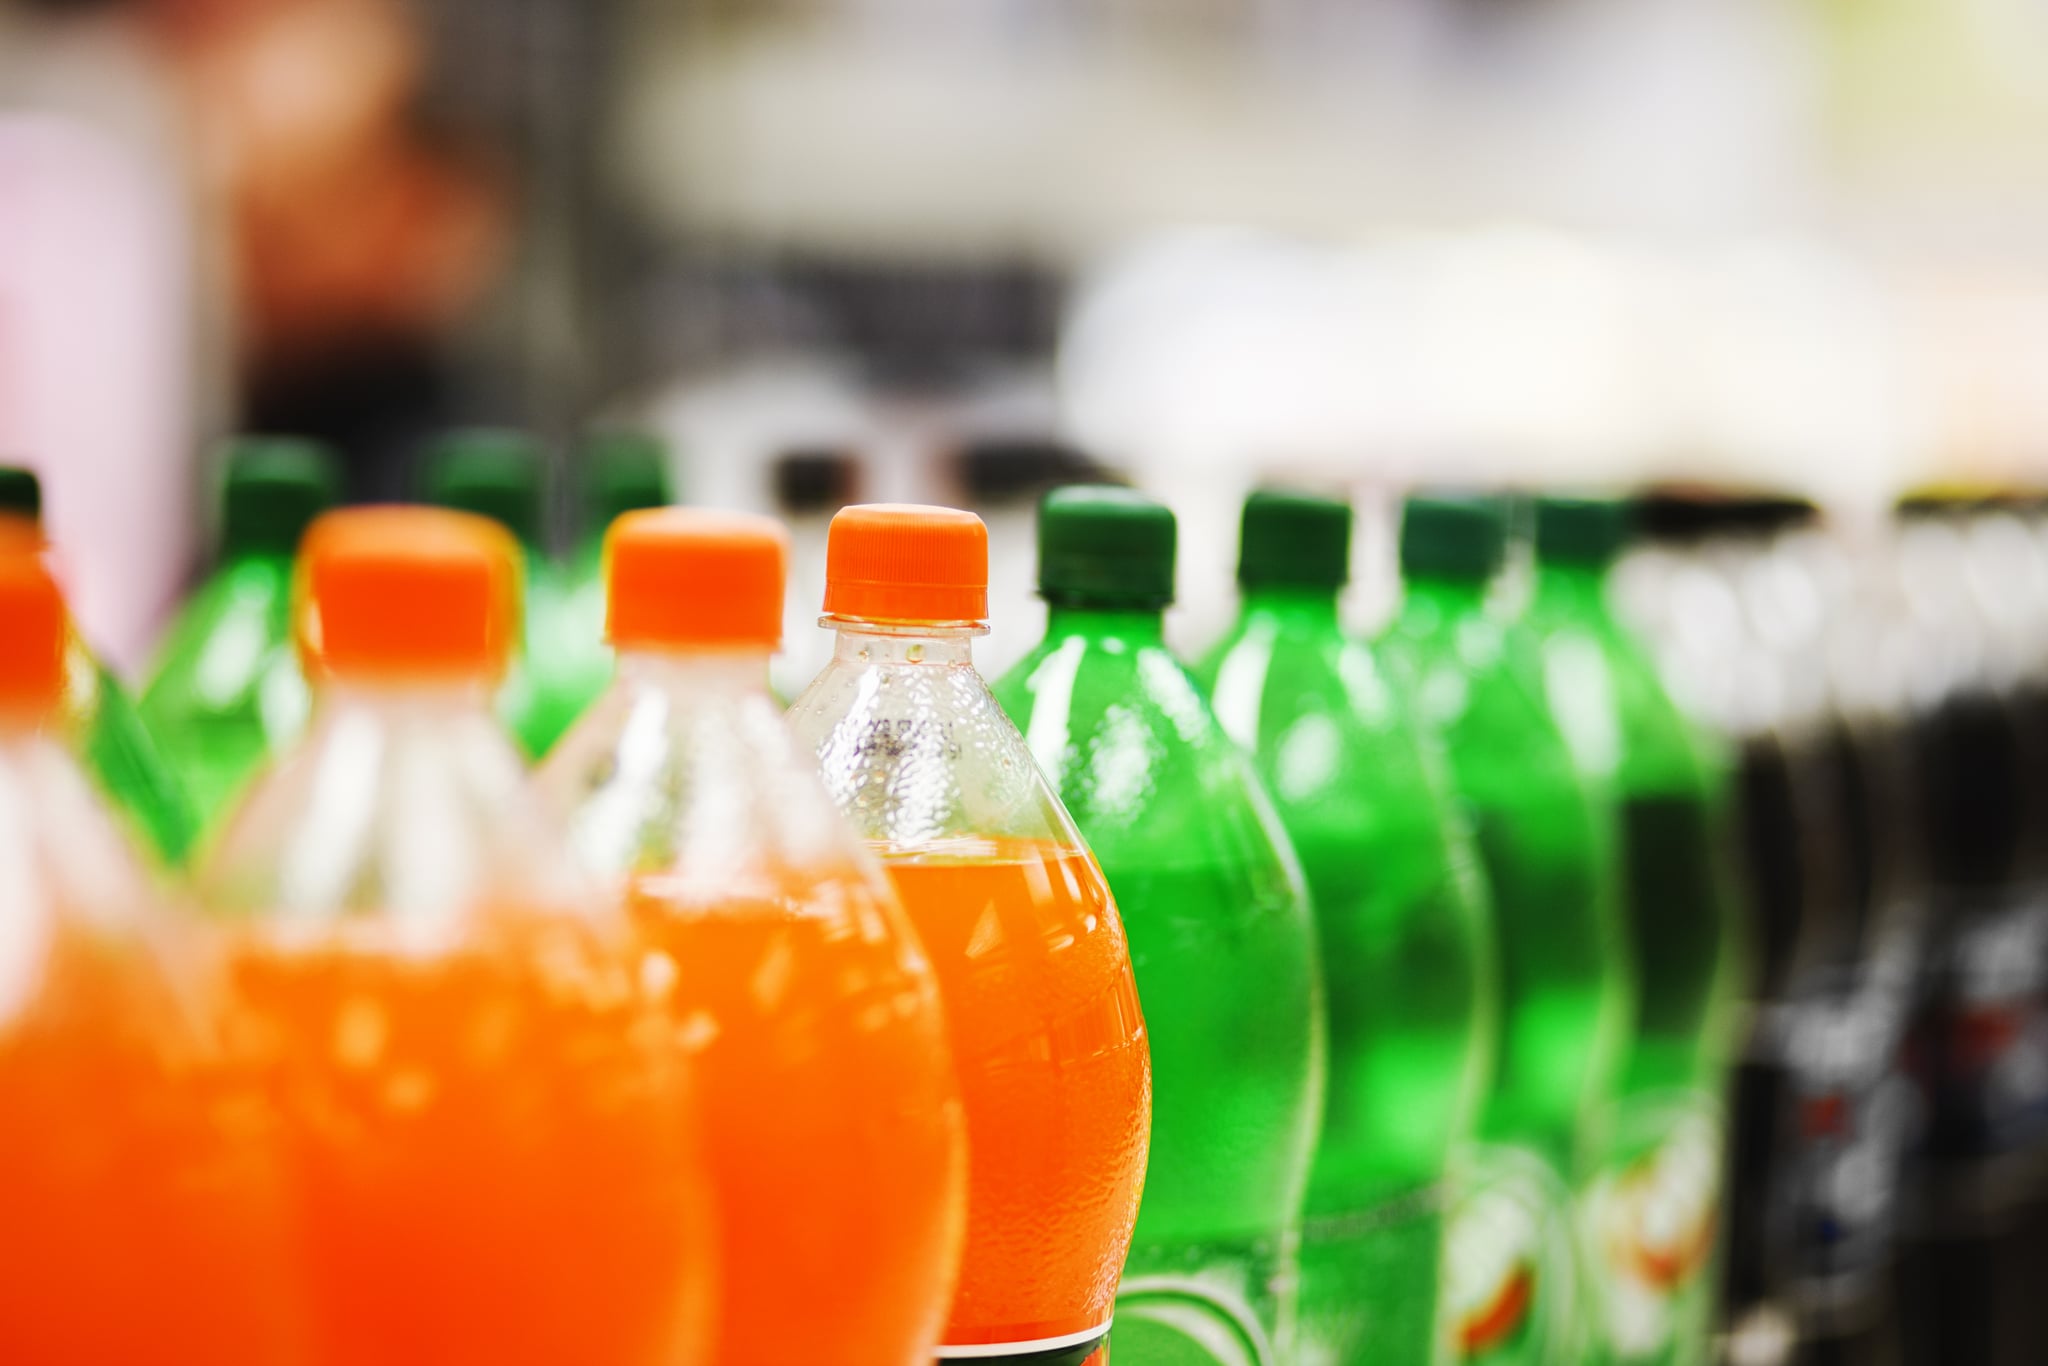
(141, 1207)
(1031, 956)
(483, 1119)
(830, 1110)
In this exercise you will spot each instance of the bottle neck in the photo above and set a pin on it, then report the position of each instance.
(1575, 586)
(867, 643)
(1304, 605)
(697, 670)
(1445, 593)
(412, 692)
(1140, 625)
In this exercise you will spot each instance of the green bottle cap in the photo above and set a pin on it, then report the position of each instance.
(1453, 536)
(1581, 531)
(1294, 540)
(276, 485)
(21, 493)
(623, 471)
(1106, 546)
(495, 472)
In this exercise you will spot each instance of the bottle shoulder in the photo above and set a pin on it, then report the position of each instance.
(1607, 698)
(62, 849)
(1147, 770)
(415, 819)
(920, 754)
(708, 786)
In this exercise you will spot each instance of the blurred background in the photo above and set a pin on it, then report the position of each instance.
(905, 248)
(961, 250)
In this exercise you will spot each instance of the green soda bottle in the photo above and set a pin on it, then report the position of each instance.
(102, 723)
(1648, 1220)
(227, 692)
(502, 474)
(1407, 947)
(1222, 941)
(1513, 1290)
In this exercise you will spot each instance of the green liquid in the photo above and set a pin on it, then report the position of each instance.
(1224, 953)
(1407, 956)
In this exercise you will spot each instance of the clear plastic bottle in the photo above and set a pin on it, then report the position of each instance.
(143, 1213)
(482, 1112)
(1032, 961)
(830, 1109)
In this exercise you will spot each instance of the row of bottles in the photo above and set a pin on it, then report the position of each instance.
(1885, 683)
(1397, 976)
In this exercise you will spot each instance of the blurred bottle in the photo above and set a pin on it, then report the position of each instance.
(1031, 956)
(140, 1227)
(1512, 1286)
(483, 1119)
(1222, 940)
(502, 475)
(1980, 1037)
(620, 471)
(810, 486)
(831, 1112)
(1769, 635)
(103, 725)
(228, 692)
(1406, 945)
(1649, 1220)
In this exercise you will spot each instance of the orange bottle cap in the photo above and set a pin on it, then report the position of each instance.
(694, 577)
(34, 627)
(905, 562)
(408, 591)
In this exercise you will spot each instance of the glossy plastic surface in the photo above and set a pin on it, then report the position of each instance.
(1224, 951)
(1033, 966)
(228, 693)
(831, 1113)
(1545, 845)
(1407, 956)
(144, 1215)
(1649, 1218)
(484, 1119)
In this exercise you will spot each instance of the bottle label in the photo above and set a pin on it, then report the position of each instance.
(1981, 1041)
(1648, 1225)
(1222, 1303)
(1851, 1113)
(1065, 1349)
(1369, 1283)
(1511, 1280)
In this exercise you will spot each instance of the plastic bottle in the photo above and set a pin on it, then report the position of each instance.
(1222, 942)
(481, 1102)
(1649, 1220)
(1512, 1285)
(1034, 969)
(1401, 907)
(228, 692)
(103, 725)
(140, 1227)
(831, 1111)
(502, 474)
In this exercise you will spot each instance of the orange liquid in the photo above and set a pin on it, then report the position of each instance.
(489, 1151)
(1056, 1077)
(141, 1220)
(831, 1120)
